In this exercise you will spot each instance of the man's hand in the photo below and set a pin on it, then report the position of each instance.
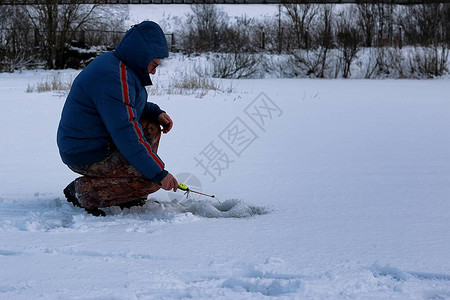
(166, 122)
(169, 182)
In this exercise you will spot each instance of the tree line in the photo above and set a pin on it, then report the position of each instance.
(57, 36)
(303, 40)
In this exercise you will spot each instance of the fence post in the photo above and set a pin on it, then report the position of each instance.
(36, 37)
(279, 28)
(306, 39)
(263, 40)
(172, 42)
(83, 37)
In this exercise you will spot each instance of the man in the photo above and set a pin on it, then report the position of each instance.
(109, 132)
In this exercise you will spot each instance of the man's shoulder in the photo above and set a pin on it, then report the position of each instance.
(103, 62)
(107, 68)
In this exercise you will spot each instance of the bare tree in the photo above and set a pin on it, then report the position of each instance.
(428, 62)
(203, 28)
(446, 22)
(301, 16)
(348, 39)
(16, 39)
(325, 36)
(268, 34)
(426, 24)
(59, 24)
(237, 37)
(235, 65)
(308, 63)
(367, 21)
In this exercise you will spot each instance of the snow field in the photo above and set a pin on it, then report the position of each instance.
(342, 194)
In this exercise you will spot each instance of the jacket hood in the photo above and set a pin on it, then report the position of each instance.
(140, 45)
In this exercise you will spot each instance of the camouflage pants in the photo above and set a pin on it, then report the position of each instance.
(113, 180)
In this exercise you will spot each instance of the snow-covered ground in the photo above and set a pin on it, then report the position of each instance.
(336, 189)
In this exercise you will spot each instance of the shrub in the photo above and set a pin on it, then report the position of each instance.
(54, 83)
(189, 84)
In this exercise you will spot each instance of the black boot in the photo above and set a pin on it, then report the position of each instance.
(136, 202)
(70, 194)
(95, 212)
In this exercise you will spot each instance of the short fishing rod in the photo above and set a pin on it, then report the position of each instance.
(185, 188)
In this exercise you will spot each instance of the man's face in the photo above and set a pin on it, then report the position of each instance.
(152, 66)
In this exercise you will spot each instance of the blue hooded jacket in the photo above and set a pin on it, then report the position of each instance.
(107, 100)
